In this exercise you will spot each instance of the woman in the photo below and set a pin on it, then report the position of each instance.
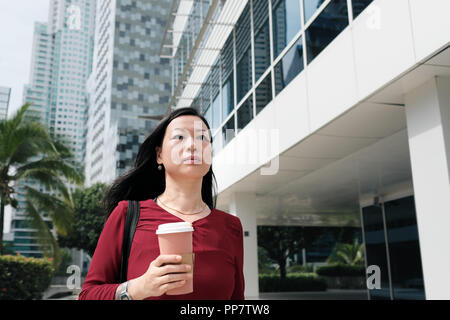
(171, 188)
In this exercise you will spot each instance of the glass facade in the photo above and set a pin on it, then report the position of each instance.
(375, 239)
(404, 250)
(4, 102)
(263, 93)
(267, 38)
(286, 23)
(262, 37)
(243, 54)
(310, 7)
(359, 6)
(289, 66)
(325, 28)
(392, 243)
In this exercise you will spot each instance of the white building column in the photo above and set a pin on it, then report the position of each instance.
(428, 120)
(242, 205)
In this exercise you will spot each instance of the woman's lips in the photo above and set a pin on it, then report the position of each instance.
(192, 159)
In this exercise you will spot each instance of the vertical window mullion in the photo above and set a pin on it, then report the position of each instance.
(387, 250)
(350, 11)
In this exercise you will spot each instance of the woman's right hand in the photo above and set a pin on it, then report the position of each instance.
(163, 274)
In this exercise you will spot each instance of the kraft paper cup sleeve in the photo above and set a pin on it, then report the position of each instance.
(188, 258)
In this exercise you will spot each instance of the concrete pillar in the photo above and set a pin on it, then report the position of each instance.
(242, 205)
(428, 121)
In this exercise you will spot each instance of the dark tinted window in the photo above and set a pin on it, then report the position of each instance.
(245, 113)
(263, 93)
(289, 66)
(285, 22)
(359, 6)
(376, 253)
(228, 131)
(326, 27)
(404, 249)
(262, 37)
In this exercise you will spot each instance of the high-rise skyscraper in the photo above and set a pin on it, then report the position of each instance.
(129, 80)
(61, 62)
(5, 93)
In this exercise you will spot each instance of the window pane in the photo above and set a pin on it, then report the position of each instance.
(244, 75)
(227, 76)
(204, 96)
(227, 96)
(262, 39)
(216, 112)
(245, 113)
(285, 22)
(228, 131)
(325, 28)
(215, 92)
(376, 249)
(262, 50)
(310, 7)
(263, 93)
(243, 54)
(404, 249)
(289, 66)
(359, 6)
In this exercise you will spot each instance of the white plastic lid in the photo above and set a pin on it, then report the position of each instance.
(174, 227)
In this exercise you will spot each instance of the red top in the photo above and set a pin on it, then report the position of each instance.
(217, 242)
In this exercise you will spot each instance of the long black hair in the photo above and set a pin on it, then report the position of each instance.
(144, 181)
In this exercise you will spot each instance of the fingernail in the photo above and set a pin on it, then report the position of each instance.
(178, 257)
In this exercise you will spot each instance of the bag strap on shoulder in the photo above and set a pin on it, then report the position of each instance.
(128, 234)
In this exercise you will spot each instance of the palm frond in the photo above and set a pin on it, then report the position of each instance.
(45, 238)
(61, 212)
(53, 164)
(31, 139)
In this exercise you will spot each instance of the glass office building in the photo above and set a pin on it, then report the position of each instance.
(5, 93)
(61, 61)
(129, 85)
(346, 115)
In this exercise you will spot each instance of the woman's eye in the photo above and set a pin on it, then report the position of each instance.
(178, 136)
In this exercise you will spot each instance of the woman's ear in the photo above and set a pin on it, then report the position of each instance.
(158, 154)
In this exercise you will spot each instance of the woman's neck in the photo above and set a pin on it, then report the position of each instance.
(183, 195)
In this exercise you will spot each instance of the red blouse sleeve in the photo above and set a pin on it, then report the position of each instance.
(239, 283)
(104, 268)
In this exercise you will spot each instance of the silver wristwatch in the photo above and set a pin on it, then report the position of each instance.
(124, 293)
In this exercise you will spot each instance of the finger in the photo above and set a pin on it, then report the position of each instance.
(172, 285)
(173, 268)
(167, 259)
(173, 277)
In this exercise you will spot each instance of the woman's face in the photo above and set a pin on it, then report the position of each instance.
(186, 136)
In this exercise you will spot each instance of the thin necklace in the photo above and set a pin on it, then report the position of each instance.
(187, 214)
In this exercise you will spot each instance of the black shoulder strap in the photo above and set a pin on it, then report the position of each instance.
(128, 234)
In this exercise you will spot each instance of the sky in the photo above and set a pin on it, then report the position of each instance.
(17, 19)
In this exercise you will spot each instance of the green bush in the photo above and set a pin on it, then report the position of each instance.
(24, 278)
(338, 270)
(66, 260)
(292, 282)
(300, 268)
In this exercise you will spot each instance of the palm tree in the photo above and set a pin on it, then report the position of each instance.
(347, 253)
(27, 148)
